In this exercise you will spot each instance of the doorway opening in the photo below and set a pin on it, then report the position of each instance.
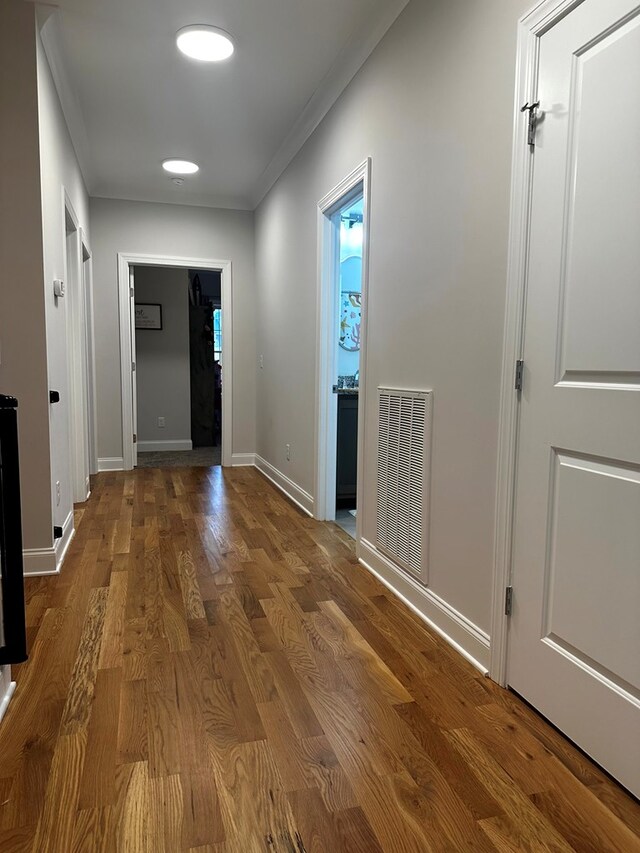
(343, 254)
(178, 366)
(175, 336)
(349, 227)
(206, 362)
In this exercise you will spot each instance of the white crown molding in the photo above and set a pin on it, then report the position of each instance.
(350, 60)
(52, 43)
(211, 202)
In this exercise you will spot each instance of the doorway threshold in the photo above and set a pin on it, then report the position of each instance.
(346, 519)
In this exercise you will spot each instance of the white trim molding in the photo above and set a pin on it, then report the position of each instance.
(465, 637)
(160, 446)
(296, 494)
(240, 460)
(128, 259)
(350, 60)
(92, 403)
(48, 561)
(530, 28)
(326, 421)
(52, 43)
(111, 463)
(9, 690)
(75, 305)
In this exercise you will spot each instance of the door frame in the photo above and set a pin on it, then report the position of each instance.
(92, 411)
(129, 259)
(326, 402)
(531, 27)
(77, 363)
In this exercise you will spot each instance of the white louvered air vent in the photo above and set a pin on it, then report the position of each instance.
(404, 443)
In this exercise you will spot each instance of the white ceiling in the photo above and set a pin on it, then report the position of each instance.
(132, 99)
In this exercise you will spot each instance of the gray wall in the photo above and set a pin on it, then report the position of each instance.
(23, 358)
(23, 369)
(162, 357)
(433, 108)
(164, 229)
(60, 172)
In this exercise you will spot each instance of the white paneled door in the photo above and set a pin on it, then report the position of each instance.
(574, 639)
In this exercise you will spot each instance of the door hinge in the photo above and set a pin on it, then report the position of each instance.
(133, 366)
(532, 109)
(508, 601)
(135, 438)
(131, 292)
(519, 374)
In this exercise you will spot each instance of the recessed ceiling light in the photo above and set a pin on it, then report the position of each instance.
(208, 44)
(180, 167)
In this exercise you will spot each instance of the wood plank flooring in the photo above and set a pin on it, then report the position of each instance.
(213, 672)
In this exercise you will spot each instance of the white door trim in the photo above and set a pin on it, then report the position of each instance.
(92, 411)
(326, 409)
(76, 329)
(127, 259)
(530, 28)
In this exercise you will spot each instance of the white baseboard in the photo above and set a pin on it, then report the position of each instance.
(239, 460)
(7, 687)
(472, 642)
(111, 463)
(160, 446)
(301, 498)
(48, 561)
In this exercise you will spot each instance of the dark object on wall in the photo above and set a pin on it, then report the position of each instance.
(347, 455)
(14, 643)
(54, 396)
(149, 316)
(203, 377)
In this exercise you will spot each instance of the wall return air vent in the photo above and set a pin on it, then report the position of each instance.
(404, 448)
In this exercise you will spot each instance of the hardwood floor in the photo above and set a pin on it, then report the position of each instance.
(213, 672)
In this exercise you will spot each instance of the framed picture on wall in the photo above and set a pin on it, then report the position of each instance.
(148, 315)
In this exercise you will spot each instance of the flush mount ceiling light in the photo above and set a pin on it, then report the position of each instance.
(208, 44)
(180, 167)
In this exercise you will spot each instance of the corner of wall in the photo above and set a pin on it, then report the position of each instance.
(48, 561)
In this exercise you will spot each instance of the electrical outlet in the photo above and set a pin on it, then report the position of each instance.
(57, 492)
(161, 423)
(261, 361)
(287, 449)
